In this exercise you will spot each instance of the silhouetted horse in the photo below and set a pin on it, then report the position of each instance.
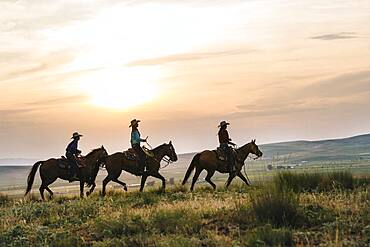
(117, 162)
(209, 161)
(50, 171)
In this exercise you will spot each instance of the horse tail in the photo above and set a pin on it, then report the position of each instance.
(193, 163)
(31, 176)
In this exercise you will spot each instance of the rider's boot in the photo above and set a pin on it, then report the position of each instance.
(74, 176)
(141, 167)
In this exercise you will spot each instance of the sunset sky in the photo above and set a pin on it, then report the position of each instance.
(277, 70)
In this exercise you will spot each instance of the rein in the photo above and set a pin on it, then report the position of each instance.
(244, 169)
(168, 161)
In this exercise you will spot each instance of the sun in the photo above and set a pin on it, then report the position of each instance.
(121, 88)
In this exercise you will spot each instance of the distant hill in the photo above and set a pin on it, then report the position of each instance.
(17, 161)
(352, 148)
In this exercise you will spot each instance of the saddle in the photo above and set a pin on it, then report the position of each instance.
(222, 155)
(130, 154)
(64, 164)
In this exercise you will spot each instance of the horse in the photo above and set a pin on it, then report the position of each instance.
(51, 171)
(117, 162)
(209, 161)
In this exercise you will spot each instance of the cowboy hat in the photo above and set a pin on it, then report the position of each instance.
(133, 122)
(75, 135)
(223, 123)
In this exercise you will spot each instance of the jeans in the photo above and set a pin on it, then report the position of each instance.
(73, 163)
(142, 156)
(229, 156)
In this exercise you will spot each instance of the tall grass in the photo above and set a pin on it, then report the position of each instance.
(276, 207)
(3, 199)
(267, 236)
(309, 182)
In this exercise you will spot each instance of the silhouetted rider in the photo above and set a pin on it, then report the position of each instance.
(135, 144)
(71, 153)
(225, 141)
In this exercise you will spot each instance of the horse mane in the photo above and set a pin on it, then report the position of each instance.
(92, 152)
(159, 147)
(90, 182)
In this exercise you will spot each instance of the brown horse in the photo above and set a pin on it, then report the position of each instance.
(51, 171)
(209, 161)
(117, 162)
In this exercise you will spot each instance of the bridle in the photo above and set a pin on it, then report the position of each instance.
(165, 159)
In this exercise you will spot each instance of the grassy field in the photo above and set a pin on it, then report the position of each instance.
(313, 209)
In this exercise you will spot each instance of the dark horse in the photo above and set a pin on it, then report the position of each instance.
(51, 171)
(209, 161)
(117, 162)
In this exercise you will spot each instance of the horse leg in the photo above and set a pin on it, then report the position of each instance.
(82, 184)
(230, 179)
(91, 189)
(42, 189)
(50, 192)
(208, 178)
(243, 178)
(159, 176)
(121, 183)
(105, 182)
(44, 185)
(195, 178)
(143, 180)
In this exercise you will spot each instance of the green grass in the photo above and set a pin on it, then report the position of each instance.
(277, 207)
(308, 182)
(241, 216)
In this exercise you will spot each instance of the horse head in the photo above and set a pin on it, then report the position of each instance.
(169, 151)
(254, 149)
(97, 155)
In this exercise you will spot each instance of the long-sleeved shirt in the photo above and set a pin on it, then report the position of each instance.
(135, 137)
(73, 148)
(223, 137)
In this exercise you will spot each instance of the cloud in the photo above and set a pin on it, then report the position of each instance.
(59, 100)
(8, 112)
(342, 85)
(335, 36)
(340, 92)
(189, 57)
(46, 64)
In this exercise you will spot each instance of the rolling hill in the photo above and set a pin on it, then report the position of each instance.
(352, 148)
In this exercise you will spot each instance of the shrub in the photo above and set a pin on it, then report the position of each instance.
(277, 207)
(125, 225)
(3, 199)
(303, 182)
(64, 239)
(146, 199)
(267, 236)
(316, 215)
(297, 182)
(243, 216)
(176, 221)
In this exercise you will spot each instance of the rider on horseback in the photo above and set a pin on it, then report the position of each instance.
(135, 144)
(71, 153)
(225, 141)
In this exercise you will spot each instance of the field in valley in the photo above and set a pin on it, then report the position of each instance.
(297, 198)
(310, 210)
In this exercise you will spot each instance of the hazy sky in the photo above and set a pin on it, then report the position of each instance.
(277, 70)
